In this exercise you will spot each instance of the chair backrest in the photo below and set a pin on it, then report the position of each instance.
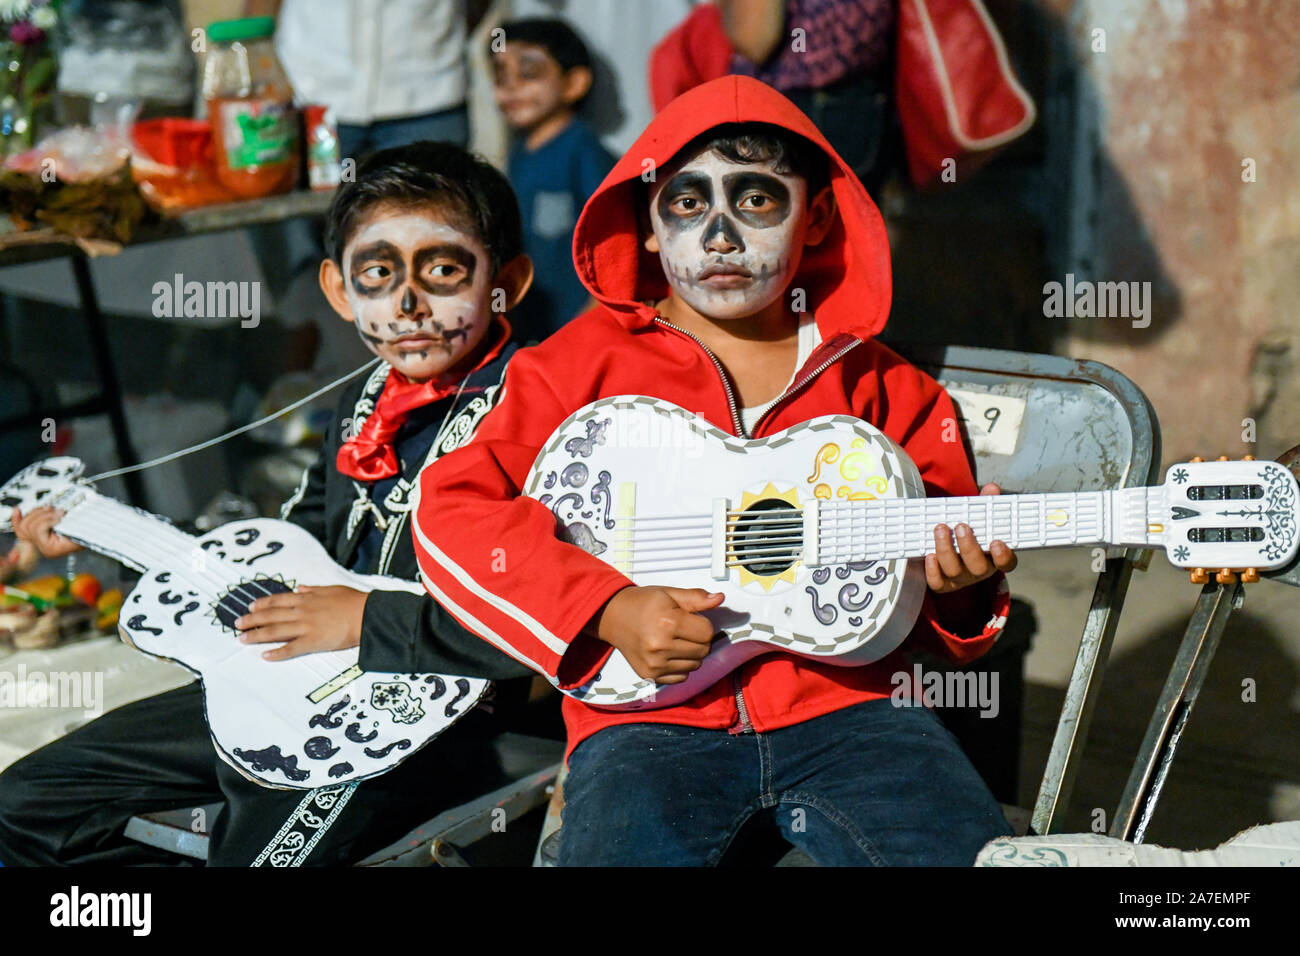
(1046, 423)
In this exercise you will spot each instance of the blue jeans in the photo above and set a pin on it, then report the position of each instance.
(450, 126)
(872, 784)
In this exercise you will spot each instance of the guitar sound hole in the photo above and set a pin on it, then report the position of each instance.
(767, 538)
(235, 602)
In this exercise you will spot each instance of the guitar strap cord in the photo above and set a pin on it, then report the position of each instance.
(238, 431)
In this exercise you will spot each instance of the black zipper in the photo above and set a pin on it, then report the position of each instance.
(743, 724)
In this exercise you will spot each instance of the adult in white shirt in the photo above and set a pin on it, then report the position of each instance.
(392, 71)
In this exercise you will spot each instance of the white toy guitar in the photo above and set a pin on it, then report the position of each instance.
(307, 722)
(816, 535)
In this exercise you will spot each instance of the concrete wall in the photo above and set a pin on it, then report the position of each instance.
(1184, 93)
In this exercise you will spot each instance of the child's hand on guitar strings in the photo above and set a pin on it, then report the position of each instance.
(309, 620)
(36, 528)
(658, 629)
(949, 569)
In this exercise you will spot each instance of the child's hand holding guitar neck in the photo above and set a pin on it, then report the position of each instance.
(37, 528)
(950, 569)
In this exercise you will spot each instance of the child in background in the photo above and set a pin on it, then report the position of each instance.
(419, 244)
(541, 77)
(745, 283)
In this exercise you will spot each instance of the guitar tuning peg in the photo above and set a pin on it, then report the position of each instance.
(1200, 576)
(1222, 458)
(1249, 575)
(1197, 458)
(1225, 576)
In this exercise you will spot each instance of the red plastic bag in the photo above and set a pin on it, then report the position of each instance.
(958, 98)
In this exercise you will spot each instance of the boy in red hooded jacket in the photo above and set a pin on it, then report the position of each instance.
(728, 201)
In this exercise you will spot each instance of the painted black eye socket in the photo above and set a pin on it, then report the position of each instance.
(687, 205)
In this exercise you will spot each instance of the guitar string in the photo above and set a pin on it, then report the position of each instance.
(753, 537)
(839, 547)
(864, 506)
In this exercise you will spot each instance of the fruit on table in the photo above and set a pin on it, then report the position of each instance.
(85, 588)
(108, 606)
(46, 589)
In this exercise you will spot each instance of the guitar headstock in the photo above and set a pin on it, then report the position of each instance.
(1231, 515)
(38, 484)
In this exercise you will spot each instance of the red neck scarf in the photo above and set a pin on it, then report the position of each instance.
(369, 454)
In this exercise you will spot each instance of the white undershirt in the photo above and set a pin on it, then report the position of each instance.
(809, 339)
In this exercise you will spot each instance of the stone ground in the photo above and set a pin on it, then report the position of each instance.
(1238, 764)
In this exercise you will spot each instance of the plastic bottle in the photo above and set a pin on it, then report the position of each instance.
(250, 107)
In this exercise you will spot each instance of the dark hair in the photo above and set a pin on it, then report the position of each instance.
(556, 37)
(765, 143)
(469, 190)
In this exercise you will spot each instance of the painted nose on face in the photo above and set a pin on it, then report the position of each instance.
(721, 236)
(410, 302)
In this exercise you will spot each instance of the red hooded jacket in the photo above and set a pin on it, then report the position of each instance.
(492, 557)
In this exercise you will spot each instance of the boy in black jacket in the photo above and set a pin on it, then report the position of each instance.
(425, 254)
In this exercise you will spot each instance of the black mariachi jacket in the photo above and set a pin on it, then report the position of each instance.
(407, 633)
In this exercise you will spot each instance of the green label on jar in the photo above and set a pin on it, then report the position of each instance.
(256, 132)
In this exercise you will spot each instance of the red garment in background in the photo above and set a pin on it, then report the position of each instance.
(825, 42)
(957, 95)
(696, 51)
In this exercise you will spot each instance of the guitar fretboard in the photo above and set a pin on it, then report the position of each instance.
(143, 541)
(904, 527)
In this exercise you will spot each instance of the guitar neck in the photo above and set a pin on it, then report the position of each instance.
(137, 538)
(904, 527)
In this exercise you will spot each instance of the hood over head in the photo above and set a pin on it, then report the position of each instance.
(847, 276)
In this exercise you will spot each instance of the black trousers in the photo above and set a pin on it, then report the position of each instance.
(69, 802)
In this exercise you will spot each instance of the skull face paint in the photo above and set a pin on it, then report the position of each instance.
(730, 235)
(419, 290)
